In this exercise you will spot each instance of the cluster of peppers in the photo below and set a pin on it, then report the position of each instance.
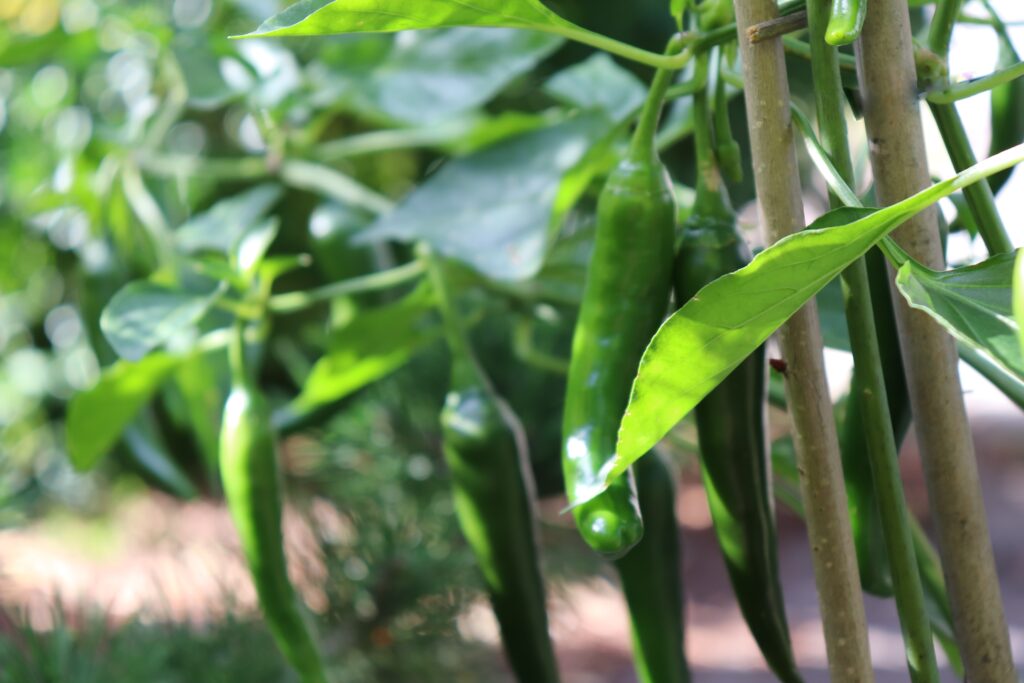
(635, 267)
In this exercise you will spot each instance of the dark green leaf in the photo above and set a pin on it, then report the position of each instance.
(434, 76)
(974, 303)
(494, 209)
(220, 227)
(598, 83)
(143, 316)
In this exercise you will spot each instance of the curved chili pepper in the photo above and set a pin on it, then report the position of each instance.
(651, 580)
(485, 448)
(249, 471)
(730, 420)
(624, 300)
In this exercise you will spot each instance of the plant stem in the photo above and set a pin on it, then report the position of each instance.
(1011, 386)
(885, 65)
(327, 181)
(882, 452)
(980, 200)
(643, 142)
(941, 30)
(817, 446)
(385, 279)
(976, 86)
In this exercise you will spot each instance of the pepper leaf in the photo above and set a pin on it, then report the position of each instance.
(974, 303)
(329, 17)
(495, 209)
(97, 417)
(712, 333)
(376, 343)
(144, 315)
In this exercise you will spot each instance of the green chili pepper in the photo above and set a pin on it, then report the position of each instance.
(651, 579)
(486, 450)
(730, 420)
(249, 471)
(845, 21)
(624, 300)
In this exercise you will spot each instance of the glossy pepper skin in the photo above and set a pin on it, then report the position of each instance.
(485, 449)
(734, 455)
(249, 471)
(731, 420)
(651, 580)
(624, 300)
(846, 19)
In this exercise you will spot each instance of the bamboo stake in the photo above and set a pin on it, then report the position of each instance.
(885, 66)
(874, 403)
(817, 447)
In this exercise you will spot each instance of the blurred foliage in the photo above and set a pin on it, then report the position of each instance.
(137, 142)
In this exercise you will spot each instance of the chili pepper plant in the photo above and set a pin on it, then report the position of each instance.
(562, 172)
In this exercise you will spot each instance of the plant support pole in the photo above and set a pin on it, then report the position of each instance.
(881, 449)
(885, 65)
(817, 446)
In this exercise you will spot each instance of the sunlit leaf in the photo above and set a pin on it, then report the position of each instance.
(712, 333)
(376, 343)
(328, 17)
(97, 417)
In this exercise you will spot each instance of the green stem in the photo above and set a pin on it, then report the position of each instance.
(941, 30)
(882, 451)
(802, 49)
(642, 145)
(466, 366)
(976, 86)
(1011, 386)
(980, 200)
(667, 62)
(241, 376)
(385, 279)
(307, 175)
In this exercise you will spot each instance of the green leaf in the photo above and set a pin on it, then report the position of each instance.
(97, 417)
(221, 226)
(711, 334)
(974, 303)
(494, 210)
(376, 343)
(431, 77)
(327, 17)
(598, 83)
(253, 246)
(148, 451)
(144, 315)
(1018, 297)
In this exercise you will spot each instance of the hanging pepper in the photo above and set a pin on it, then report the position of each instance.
(486, 451)
(249, 471)
(730, 420)
(651, 580)
(624, 301)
